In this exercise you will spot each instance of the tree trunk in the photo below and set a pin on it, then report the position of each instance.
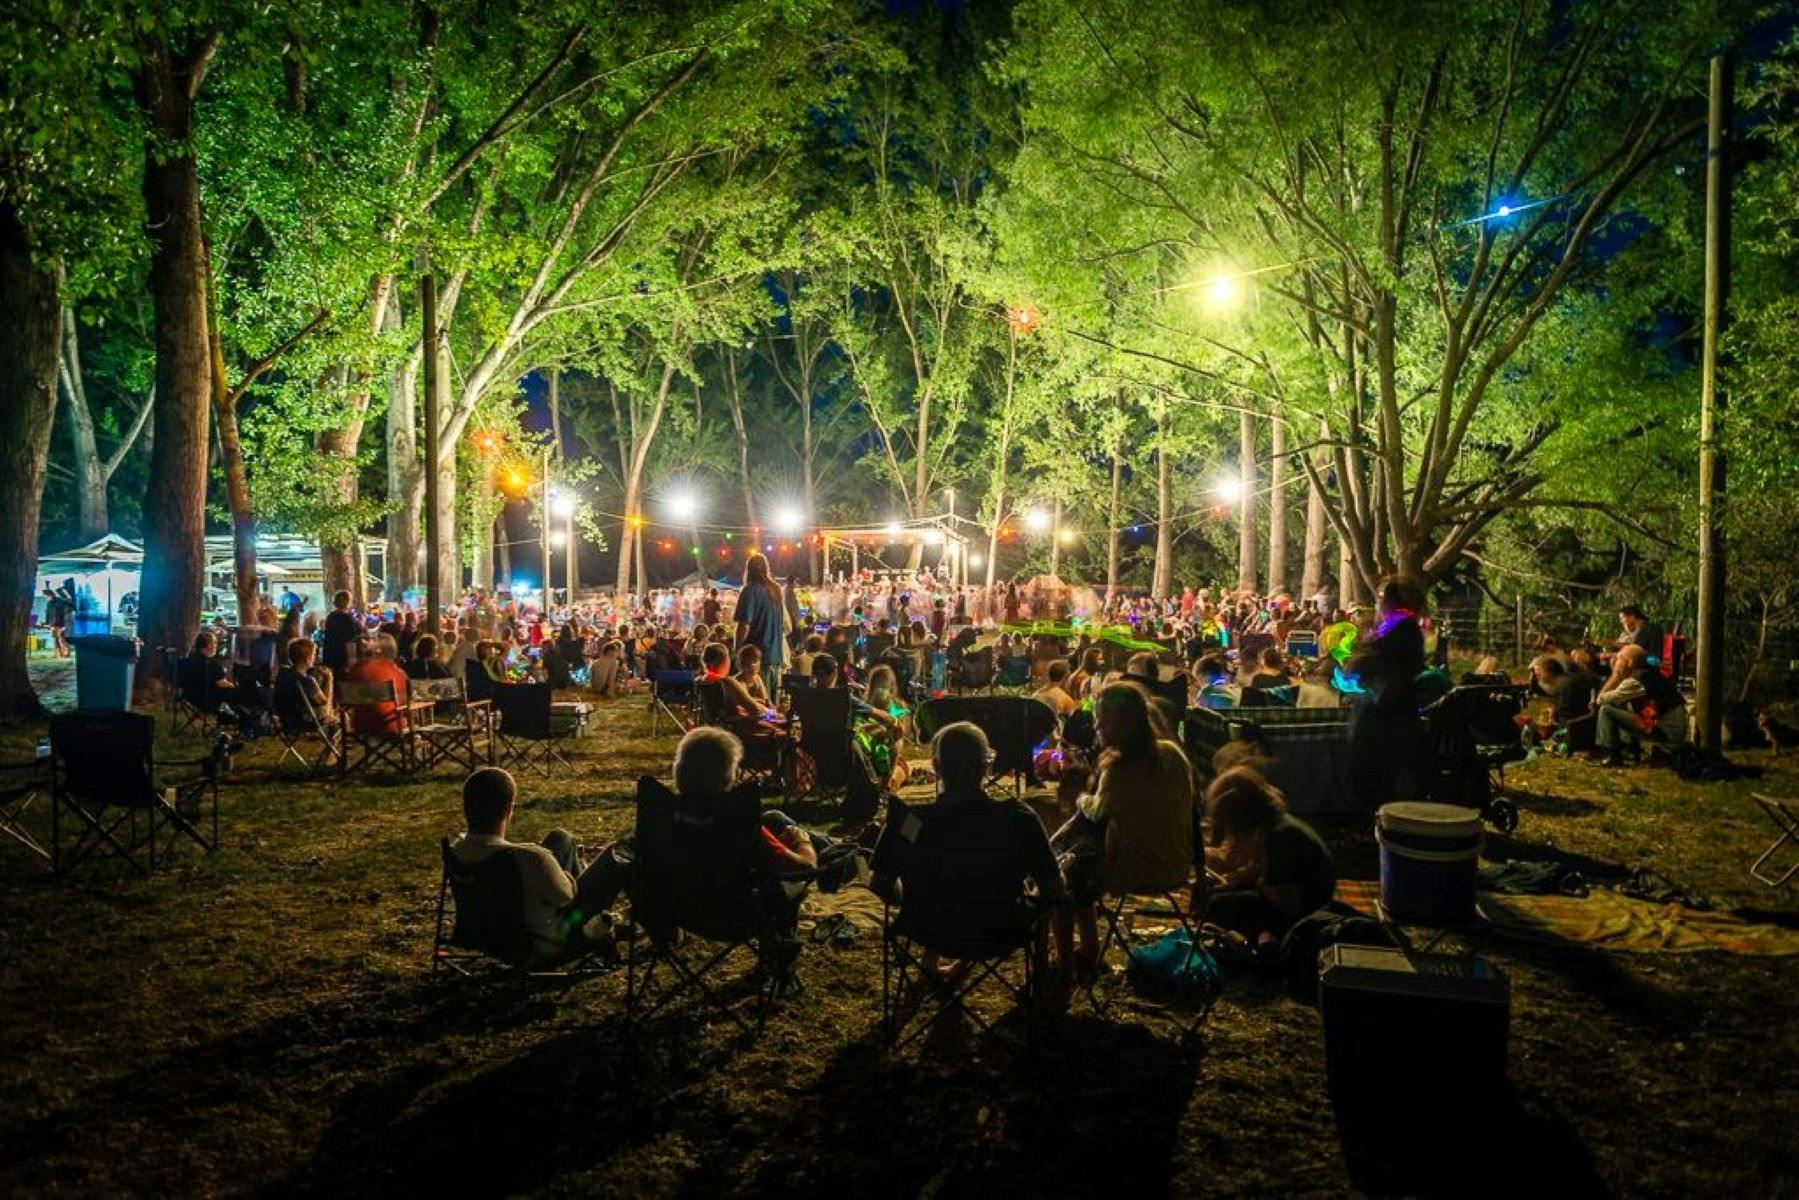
(504, 539)
(1114, 531)
(449, 546)
(1277, 506)
(30, 313)
(486, 521)
(735, 398)
(405, 477)
(92, 517)
(1162, 578)
(237, 480)
(1246, 503)
(810, 486)
(1316, 525)
(1348, 587)
(337, 554)
(1055, 537)
(174, 511)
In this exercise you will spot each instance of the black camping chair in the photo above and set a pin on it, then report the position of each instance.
(106, 782)
(699, 898)
(475, 681)
(1015, 726)
(672, 695)
(973, 671)
(826, 738)
(24, 784)
(762, 758)
(960, 903)
(452, 727)
(532, 727)
(185, 692)
(1472, 736)
(392, 743)
(481, 924)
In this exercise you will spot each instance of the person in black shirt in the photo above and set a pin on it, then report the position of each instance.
(342, 630)
(966, 819)
(303, 691)
(1274, 671)
(1271, 868)
(426, 662)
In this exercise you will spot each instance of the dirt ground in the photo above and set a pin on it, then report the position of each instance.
(262, 1020)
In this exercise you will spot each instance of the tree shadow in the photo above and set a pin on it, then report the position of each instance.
(959, 1112)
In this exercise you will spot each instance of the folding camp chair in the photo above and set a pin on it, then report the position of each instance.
(1302, 643)
(1474, 734)
(453, 727)
(826, 741)
(532, 725)
(973, 671)
(699, 898)
(294, 735)
(106, 782)
(1785, 815)
(1015, 726)
(22, 785)
(672, 695)
(957, 903)
(394, 743)
(184, 692)
(481, 926)
(1118, 913)
(762, 758)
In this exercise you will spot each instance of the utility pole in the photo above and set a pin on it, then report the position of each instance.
(1709, 675)
(434, 533)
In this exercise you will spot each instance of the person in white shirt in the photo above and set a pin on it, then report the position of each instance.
(547, 871)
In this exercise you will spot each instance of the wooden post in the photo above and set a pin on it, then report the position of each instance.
(544, 500)
(434, 532)
(1709, 673)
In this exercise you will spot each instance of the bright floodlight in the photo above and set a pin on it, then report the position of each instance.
(562, 506)
(789, 520)
(894, 529)
(1229, 489)
(1068, 535)
(683, 506)
(933, 537)
(1037, 521)
(558, 539)
(976, 559)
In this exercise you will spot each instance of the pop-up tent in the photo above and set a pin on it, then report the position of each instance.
(103, 576)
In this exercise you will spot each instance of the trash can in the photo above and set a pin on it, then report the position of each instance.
(105, 665)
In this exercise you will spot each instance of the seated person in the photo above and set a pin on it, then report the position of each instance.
(1135, 830)
(1217, 682)
(749, 674)
(426, 662)
(706, 764)
(1569, 696)
(303, 690)
(740, 712)
(1636, 695)
(206, 680)
(1054, 691)
(1270, 867)
(557, 904)
(1085, 678)
(1272, 672)
(377, 665)
(965, 818)
(1315, 690)
(802, 662)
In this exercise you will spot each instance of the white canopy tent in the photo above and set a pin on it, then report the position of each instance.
(927, 533)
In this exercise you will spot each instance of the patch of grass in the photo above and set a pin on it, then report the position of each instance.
(262, 1020)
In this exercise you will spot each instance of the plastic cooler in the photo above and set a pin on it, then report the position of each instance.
(105, 666)
(1429, 861)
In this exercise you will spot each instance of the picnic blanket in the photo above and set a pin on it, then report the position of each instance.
(1610, 920)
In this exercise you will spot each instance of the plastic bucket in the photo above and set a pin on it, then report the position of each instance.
(1429, 861)
(105, 666)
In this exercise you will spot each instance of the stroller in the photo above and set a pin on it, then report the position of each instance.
(1472, 735)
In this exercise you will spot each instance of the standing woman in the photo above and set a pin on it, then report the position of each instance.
(1386, 734)
(760, 619)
